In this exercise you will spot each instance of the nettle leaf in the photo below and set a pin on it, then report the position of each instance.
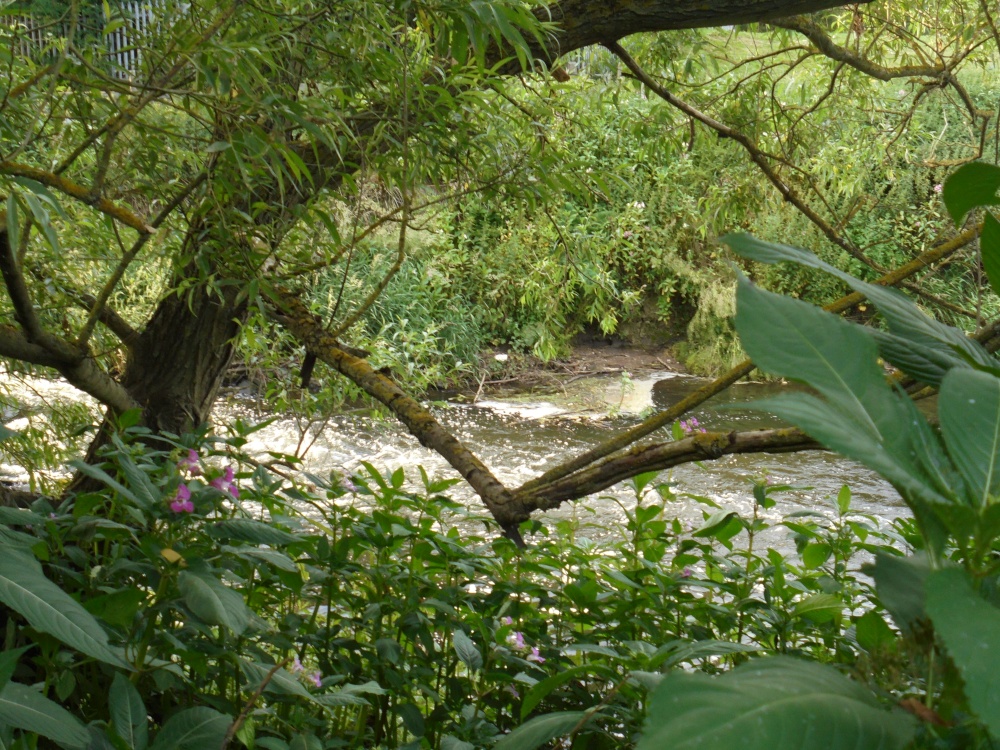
(970, 629)
(29, 710)
(128, 713)
(193, 729)
(778, 702)
(969, 410)
(541, 729)
(970, 186)
(467, 650)
(212, 601)
(25, 589)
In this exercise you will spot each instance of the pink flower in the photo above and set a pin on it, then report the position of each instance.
(516, 639)
(181, 502)
(225, 483)
(687, 573)
(507, 620)
(297, 665)
(190, 463)
(938, 188)
(316, 678)
(535, 656)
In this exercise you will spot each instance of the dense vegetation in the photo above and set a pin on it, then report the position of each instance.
(429, 181)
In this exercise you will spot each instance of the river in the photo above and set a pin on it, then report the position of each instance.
(522, 435)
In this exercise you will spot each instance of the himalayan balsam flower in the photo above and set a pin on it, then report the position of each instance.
(512, 690)
(316, 678)
(516, 639)
(691, 425)
(297, 665)
(348, 485)
(190, 463)
(507, 620)
(687, 573)
(225, 483)
(535, 656)
(938, 188)
(182, 501)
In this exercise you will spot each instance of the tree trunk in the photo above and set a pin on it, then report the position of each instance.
(175, 368)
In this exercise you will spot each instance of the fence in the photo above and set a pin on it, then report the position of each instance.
(119, 39)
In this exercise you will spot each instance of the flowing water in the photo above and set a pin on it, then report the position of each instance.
(523, 435)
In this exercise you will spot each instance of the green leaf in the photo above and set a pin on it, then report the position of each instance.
(8, 662)
(540, 730)
(970, 629)
(95, 472)
(467, 650)
(940, 345)
(25, 589)
(128, 713)
(969, 410)
(873, 633)
(989, 250)
(819, 608)
(144, 490)
(254, 555)
(193, 729)
(248, 530)
(212, 601)
(816, 554)
(970, 186)
(27, 709)
(281, 681)
(544, 687)
(778, 702)
(13, 225)
(714, 522)
(899, 582)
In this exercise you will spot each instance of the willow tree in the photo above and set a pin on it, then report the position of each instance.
(239, 123)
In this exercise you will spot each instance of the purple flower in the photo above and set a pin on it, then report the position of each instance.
(297, 666)
(181, 502)
(511, 689)
(516, 639)
(348, 485)
(687, 573)
(507, 620)
(938, 188)
(535, 656)
(316, 678)
(190, 463)
(225, 483)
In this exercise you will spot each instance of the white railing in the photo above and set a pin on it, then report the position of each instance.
(121, 46)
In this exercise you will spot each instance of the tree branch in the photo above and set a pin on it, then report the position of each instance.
(825, 44)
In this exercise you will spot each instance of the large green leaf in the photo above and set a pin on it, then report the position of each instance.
(771, 703)
(128, 713)
(540, 730)
(989, 250)
(971, 186)
(8, 663)
(467, 650)
(900, 583)
(860, 414)
(212, 601)
(27, 709)
(970, 629)
(25, 589)
(940, 345)
(196, 728)
(969, 410)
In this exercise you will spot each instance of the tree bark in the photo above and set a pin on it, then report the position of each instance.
(175, 368)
